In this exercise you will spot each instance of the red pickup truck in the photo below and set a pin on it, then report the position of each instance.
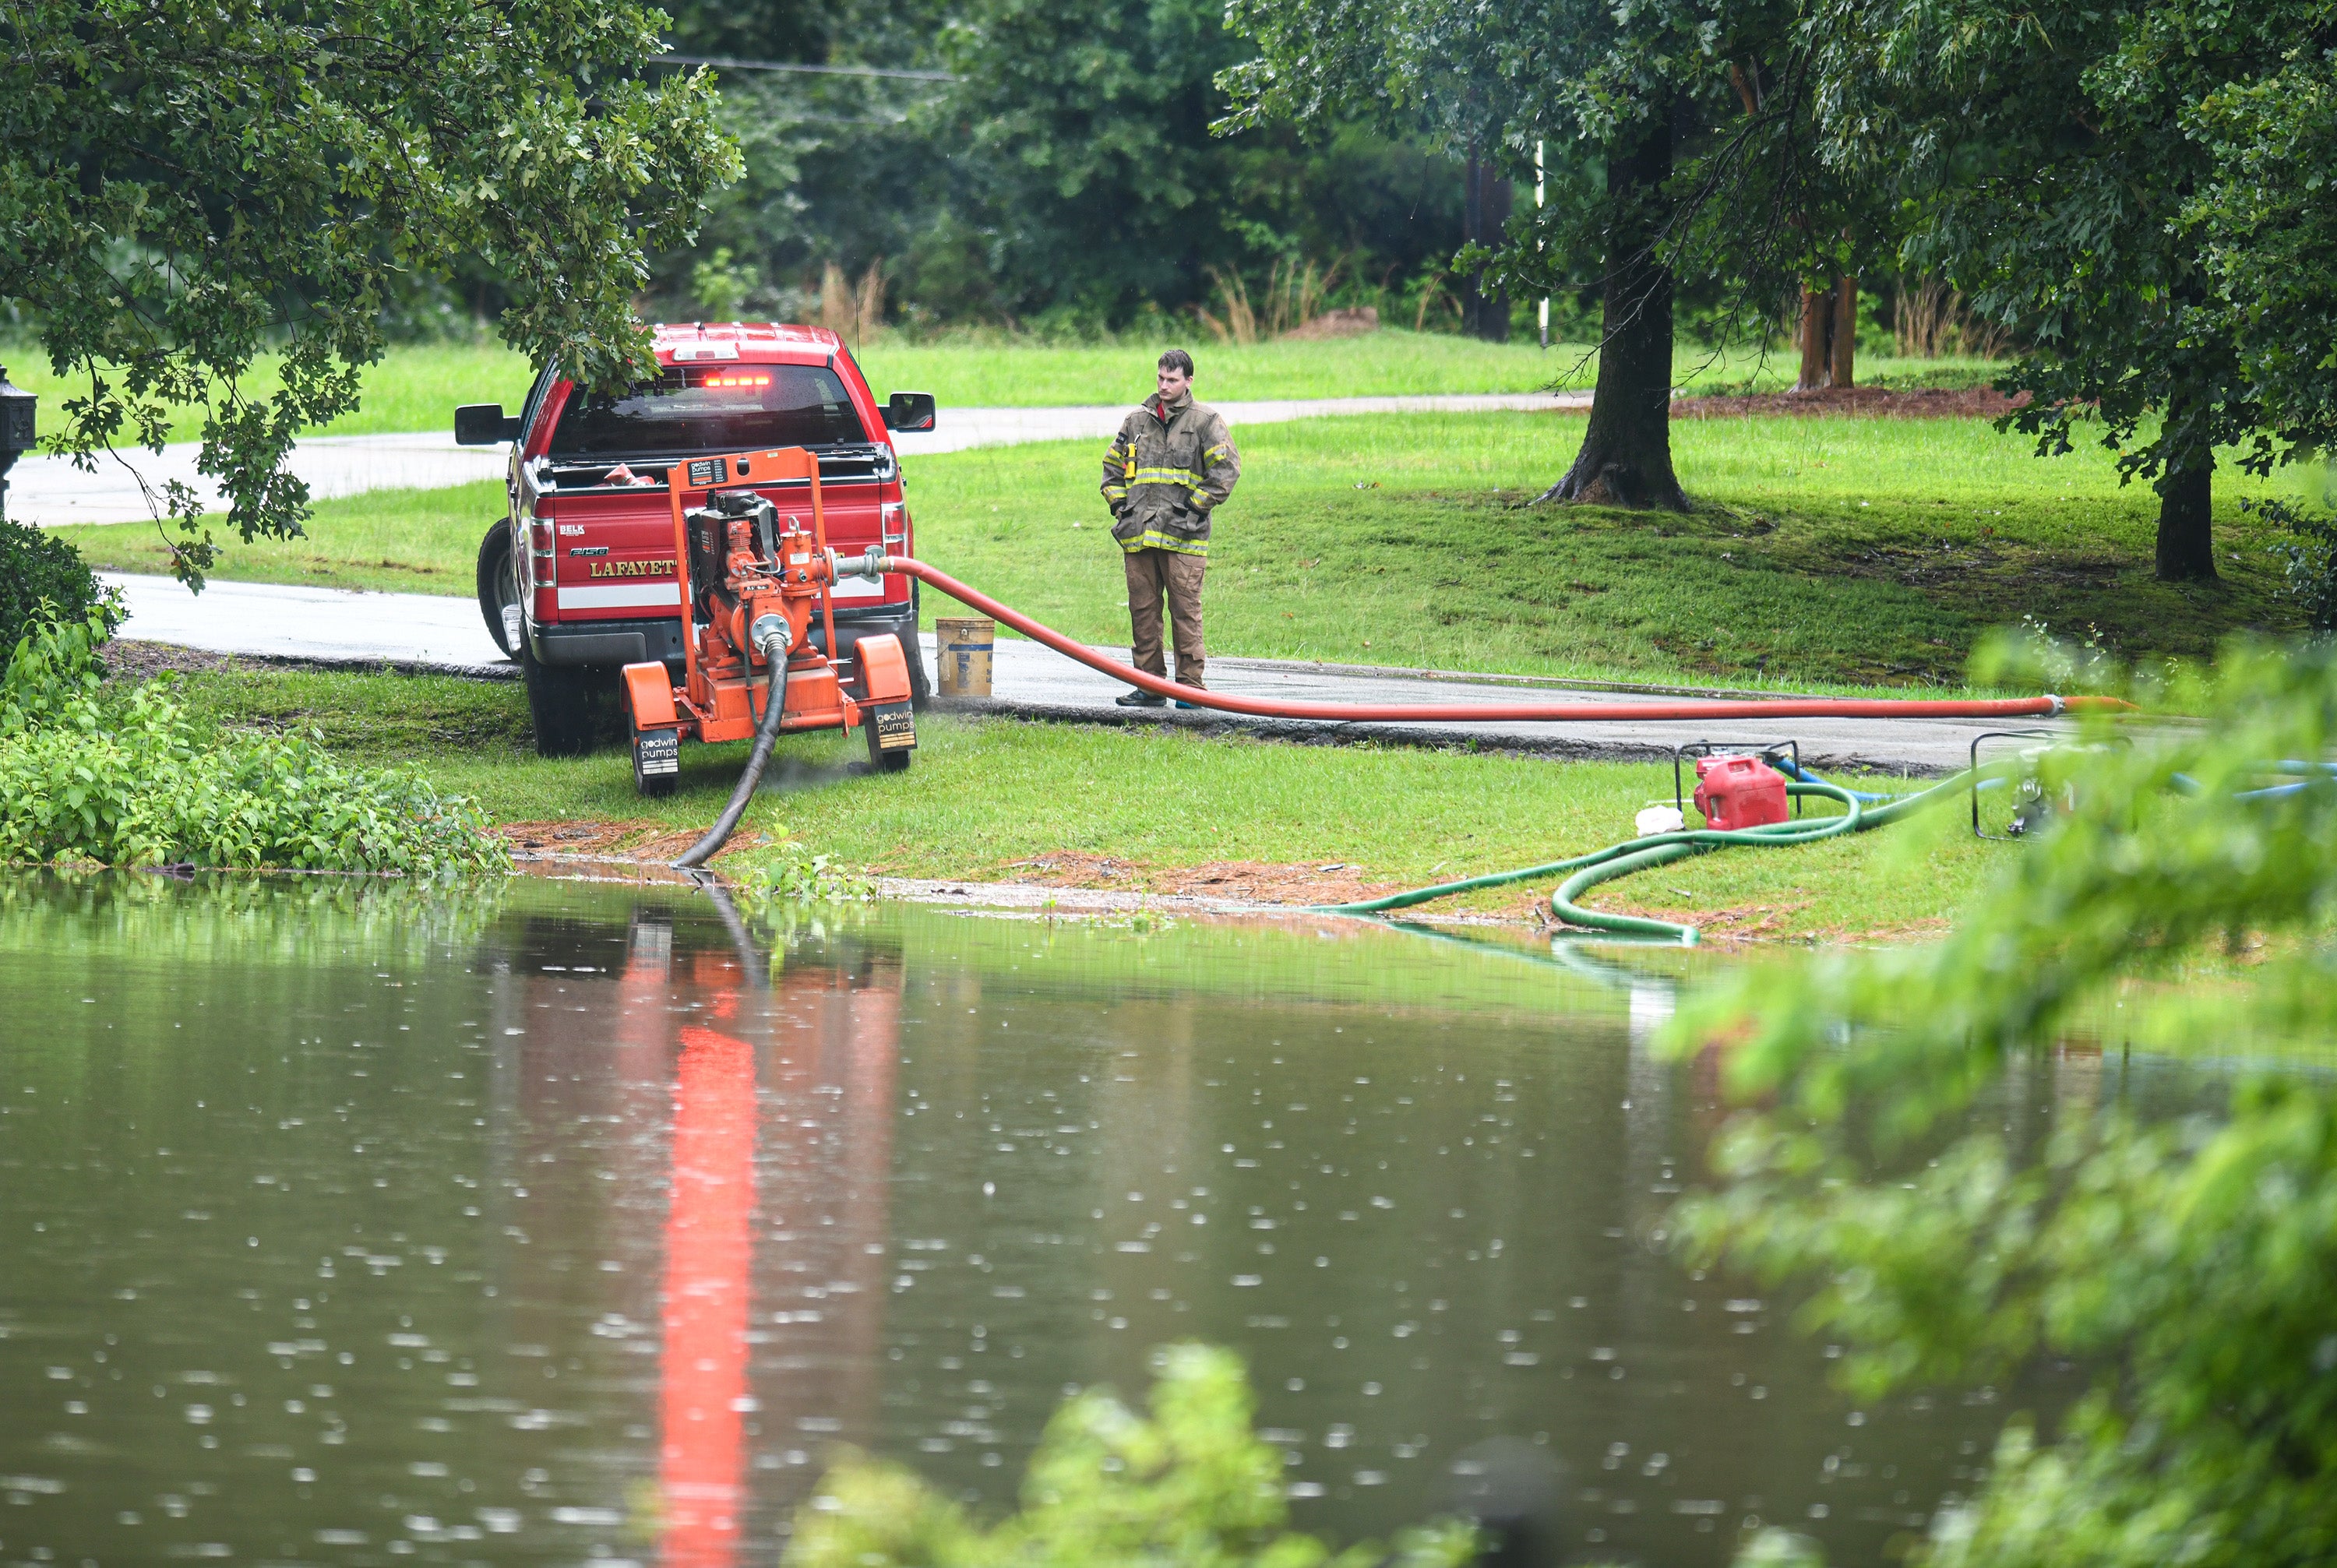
(579, 580)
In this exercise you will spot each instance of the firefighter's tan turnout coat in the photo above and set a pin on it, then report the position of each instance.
(1165, 472)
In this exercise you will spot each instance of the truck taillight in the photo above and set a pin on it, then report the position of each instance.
(539, 539)
(892, 519)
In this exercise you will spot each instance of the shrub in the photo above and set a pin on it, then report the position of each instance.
(129, 785)
(1193, 1485)
(797, 876)
(2186, 1259)
(128, 779)
(2308, 567)
(37, 567)
(51, 666)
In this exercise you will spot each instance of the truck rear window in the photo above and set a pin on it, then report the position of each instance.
(711, 408)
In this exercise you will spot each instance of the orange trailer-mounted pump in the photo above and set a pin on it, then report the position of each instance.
(751, 579)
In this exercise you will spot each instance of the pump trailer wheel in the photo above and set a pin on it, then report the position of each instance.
(657, 758)
(880, 760)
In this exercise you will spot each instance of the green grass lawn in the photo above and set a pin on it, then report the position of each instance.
(1831, 553)
(418, 386)
(985, 795)
(975, 373)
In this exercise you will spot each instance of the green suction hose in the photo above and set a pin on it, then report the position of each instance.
(1583, 872)
(1661, 849)
(1563, 902)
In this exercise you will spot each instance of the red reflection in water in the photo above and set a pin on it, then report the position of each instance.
(709, 1255)
(831, 1173)
(771, 1257)
(803, 1196)
(830, 1163)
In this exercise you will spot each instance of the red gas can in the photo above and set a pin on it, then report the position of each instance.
(1738, 791)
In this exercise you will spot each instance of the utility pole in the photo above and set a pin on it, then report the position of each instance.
(1539, 197)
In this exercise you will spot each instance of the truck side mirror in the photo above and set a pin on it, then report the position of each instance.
(909, 411)
(484, 424)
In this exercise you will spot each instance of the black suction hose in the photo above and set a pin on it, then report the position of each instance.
(775, 702)
(751, 964)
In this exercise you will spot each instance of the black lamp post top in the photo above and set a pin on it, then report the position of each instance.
(16, 406)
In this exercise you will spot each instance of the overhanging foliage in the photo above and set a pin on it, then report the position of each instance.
(183, 186)
(2188, 1261)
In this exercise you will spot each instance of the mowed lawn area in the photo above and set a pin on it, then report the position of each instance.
(1830, 552)
(1006, 800)
(416, 386)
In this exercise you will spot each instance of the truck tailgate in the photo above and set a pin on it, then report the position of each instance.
(614, 547)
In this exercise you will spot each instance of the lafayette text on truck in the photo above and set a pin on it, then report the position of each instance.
(579, 579)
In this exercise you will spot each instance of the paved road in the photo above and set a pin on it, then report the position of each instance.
(325, 625)
(423, 631)
(48, 490)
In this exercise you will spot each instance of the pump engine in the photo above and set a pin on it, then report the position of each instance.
(752, 578)
(740, 589)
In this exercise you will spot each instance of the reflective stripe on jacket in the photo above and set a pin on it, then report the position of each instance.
(1165, 473)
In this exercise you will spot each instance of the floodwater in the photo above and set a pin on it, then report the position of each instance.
(554, 1222)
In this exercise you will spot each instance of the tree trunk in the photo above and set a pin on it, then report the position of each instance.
(1473, 230)
(1845, 332)
(1627, 452)
(1499, 193)
(1817, 333)
(2186, 489)
(1485, 212)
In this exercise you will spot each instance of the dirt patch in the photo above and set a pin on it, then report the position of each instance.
(1904, 933)
(1951, 563)
(128, 660)
(1746, 923)
(1741, 923)
(132, 661)
(649, 842)
(1114, 884)
(1865, 402)
(572, 837)
(667, 845)
(1244, 881)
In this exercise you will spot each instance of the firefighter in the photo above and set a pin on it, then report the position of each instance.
(1171, 466)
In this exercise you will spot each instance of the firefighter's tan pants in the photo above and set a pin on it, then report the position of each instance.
(1153, 575)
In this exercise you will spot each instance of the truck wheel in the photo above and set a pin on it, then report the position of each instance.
(655, 786)
(920, 692)
(498, 578)
(560, 701)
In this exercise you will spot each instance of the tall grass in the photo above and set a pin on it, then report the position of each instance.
(1296, 293)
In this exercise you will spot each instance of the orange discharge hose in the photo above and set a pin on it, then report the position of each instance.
(1490, 713)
